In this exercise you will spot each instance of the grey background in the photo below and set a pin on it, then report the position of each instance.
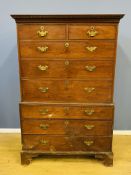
(9, 82)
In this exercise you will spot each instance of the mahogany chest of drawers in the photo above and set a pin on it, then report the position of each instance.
(67, 65)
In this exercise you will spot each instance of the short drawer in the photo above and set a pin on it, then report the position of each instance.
(96, 70)
(66, 111)
(66, 91)
(92, 31)
(63, 143)
(66, 127)
(41, 31)
(68, 49)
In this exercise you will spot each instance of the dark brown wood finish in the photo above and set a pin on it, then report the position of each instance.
(93, 70)
(89, 18)
(67, 127)
(76, 49)
(60, 143)
(58, 31)
(66, 111)
(71, 91)
(30, 32)
(67, 65)
(80, 31)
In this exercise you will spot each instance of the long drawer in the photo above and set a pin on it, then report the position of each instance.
(66, 111)
(67, 69)
(51, 143)
(66, 127)
(67, 49)
(65, 90)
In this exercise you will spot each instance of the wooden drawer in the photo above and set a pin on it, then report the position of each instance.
(41, 31)
(67, 69)
(66, 111)
(65, 90)
(51, 143)
(86, 31)
(77, 49)
(66, 127)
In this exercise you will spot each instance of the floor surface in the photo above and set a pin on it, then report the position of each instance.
(10, 160)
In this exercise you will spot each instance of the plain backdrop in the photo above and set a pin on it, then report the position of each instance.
(9, 80)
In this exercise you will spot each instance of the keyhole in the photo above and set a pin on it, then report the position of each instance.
(66, 84)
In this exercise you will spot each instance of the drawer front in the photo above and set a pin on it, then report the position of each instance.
(41, 31)
(62, 143)
(65, 90)
(67, 112)
(86, 31)
(77, 49)
(67, 69)
(67, 127)
(43, 69)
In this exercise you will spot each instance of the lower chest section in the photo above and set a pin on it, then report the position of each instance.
(59, 128)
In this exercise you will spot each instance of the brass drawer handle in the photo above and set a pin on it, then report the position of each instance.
(90, 68)
(91, 49)
(92, 32)
(66, 110)
(43, 111)
(66, 123)
(89, 89)
(44, 89)
(42, 48)
(67, 63)
(43, 68)
(89, 111)
(44, 126)
(89, 127)
(42, 32)
(44, 142)
(67, 45)
(88, 143)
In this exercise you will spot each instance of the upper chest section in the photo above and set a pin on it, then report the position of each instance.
(67, 27)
